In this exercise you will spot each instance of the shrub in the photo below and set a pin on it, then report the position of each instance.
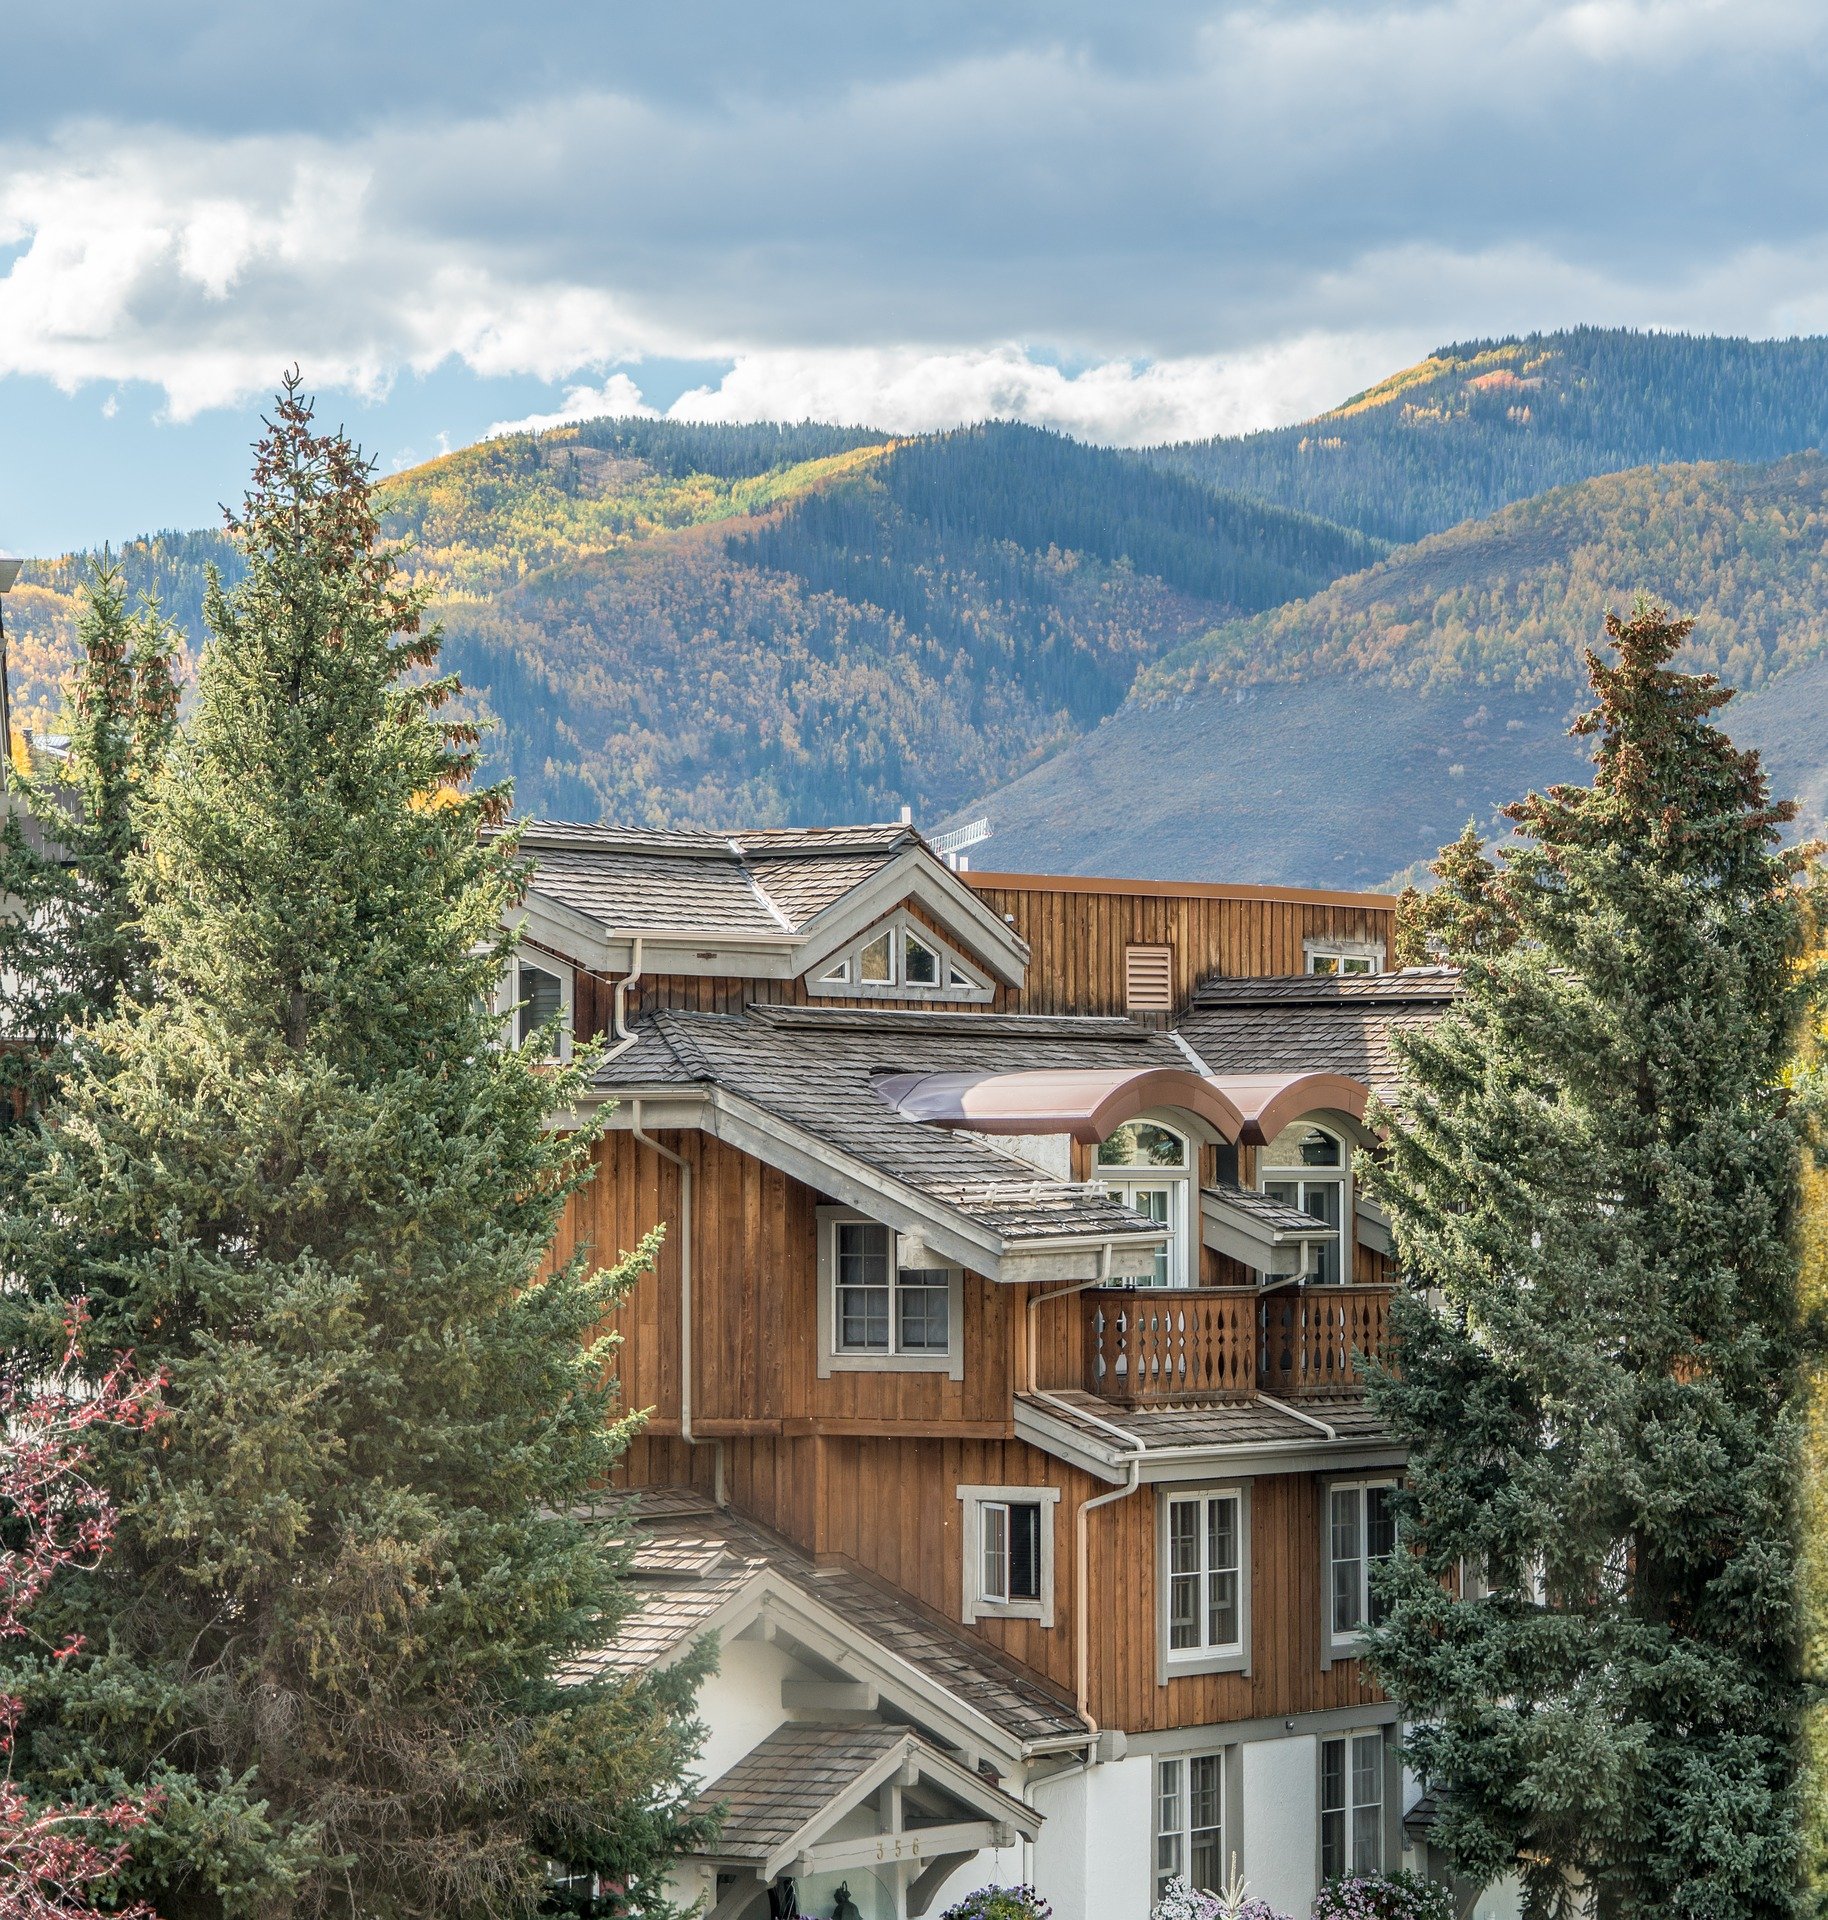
(1000, 1903)
(1383, 1896)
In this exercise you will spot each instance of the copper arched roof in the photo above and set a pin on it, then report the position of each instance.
(1090, 1103)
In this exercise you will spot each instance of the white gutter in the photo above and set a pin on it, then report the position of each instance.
(685, 1299)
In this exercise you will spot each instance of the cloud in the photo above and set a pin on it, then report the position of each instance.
(1130, 224)
(618, 395)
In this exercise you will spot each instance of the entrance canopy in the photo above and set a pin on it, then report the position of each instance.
(813, 1801)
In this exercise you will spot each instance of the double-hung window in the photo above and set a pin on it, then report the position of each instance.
(1190, 1822)
(1203, 1574)
(1352, 1804)
(1009, 1552)
(1361, 1532)
(876, 1311)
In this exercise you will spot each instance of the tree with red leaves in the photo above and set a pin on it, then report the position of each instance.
(56, 1856)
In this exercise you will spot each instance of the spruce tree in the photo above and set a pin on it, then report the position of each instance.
(69, 947)
(1592, 1175)
(305, 1181)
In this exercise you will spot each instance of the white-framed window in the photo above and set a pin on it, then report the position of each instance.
(901, 959)
(1190, 1822)
(1204, 1580)
(1149, 1167)
(1361, 1532)
(884, 1304)
(536, 989)
(1008, 1553)
(1309, 1167)
(1352, 1803)
(1343, 956)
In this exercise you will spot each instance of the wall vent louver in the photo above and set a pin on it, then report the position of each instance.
(1148, 979)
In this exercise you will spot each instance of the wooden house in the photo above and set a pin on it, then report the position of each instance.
(1004, 1412)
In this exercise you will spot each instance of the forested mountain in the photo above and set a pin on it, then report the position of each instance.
(738, 624)
(1479, 425)
(1344, 736)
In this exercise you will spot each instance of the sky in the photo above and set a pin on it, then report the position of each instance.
(1133, 222)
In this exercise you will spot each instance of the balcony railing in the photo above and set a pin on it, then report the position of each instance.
(1150, 1345)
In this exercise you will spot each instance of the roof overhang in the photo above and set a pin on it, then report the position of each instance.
(1273, 1245)
(781, 1610)
(951, 1233)
(914, 874)
(1108, 1458)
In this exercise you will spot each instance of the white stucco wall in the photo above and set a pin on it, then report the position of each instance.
(740, 1704)
(1093, 1859)
(1280, 1793)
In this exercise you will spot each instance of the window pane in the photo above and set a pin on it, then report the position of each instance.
(873, 963)
(542, 994)
(1347, 1572)
(1367, 1839)
(1357, 964)
(993, 1578)
(1323, 963)
(1332, 1774)
(923, 1323)
(1303, 1145)
(1025, 1550)
(1140, 1143)
(1183, 1573)
(920, 964)
(1222, 1611)
(1184, 1536)
(1380, 1540)
(1205, 1825)
(1332, 1808)
(1222, 1532)
(863, 1318)
(863, 1253)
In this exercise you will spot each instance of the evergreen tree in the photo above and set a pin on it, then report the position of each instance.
(69, 948)
(303, 1180)
(1460, 914)
(1592, 1175)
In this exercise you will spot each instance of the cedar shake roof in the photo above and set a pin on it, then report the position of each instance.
(712, 884)
(779, 1788)
(1335, 1023)
(692, 1559)
(818, 1072)
(1237, 1424)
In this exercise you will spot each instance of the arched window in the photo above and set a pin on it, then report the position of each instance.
(1150, 1167)
(1310, 1167)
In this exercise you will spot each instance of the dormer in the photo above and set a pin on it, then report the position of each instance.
(855, 912)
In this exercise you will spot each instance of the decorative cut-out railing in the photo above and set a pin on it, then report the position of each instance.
(1171, 1343)
(1149, 1345)
(1310, 1335)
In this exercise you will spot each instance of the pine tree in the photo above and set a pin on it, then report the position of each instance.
(304, 1181)
(1460, 914)
(69, 948)
(1592, 1176)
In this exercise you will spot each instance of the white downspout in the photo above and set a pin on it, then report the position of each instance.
(619, 1018)
(1132, 1457)
(685, 1289)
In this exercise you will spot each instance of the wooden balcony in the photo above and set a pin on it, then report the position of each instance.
(1149, 1346)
